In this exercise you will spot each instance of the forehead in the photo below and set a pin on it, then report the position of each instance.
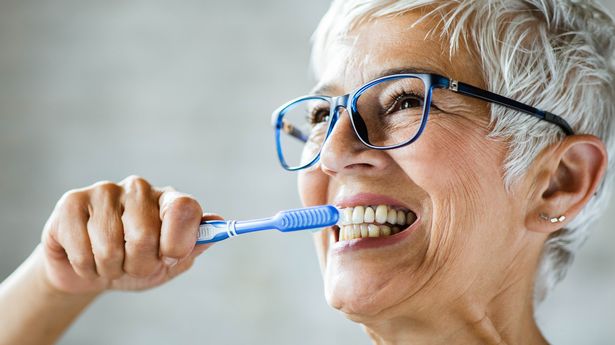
(392, 43)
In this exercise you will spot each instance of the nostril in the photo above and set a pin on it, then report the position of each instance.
(358, 166)
(327, 171)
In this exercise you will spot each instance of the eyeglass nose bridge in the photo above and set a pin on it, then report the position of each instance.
(356, 122)
(339, 102)
(336, 103)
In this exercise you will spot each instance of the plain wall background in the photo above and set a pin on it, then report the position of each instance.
(181, 93)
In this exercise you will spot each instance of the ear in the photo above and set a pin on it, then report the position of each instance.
(566, 177)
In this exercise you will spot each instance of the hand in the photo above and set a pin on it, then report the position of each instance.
(125, 236)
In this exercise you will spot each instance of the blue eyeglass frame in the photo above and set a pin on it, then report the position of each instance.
(431, 81)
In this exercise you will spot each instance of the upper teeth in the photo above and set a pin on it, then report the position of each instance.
(361, 221)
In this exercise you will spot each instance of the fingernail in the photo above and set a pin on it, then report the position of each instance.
(169, 261)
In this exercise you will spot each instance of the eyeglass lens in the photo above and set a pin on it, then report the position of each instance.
(392, 111)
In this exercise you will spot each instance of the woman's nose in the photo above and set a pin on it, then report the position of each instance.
(343, 152)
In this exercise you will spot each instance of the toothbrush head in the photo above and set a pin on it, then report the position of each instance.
(307, 218)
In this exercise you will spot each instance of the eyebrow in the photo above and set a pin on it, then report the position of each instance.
(327, 89)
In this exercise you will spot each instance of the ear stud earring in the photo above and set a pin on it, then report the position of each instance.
(554, 219)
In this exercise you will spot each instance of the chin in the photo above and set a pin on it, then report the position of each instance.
(358, 300)
(365, 290)
(371, 260)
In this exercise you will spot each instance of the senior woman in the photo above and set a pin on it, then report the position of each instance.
(465, 141)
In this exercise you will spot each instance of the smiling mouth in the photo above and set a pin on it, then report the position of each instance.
(360, 222)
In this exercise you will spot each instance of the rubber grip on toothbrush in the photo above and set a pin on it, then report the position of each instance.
(214, 231)
(290, 220)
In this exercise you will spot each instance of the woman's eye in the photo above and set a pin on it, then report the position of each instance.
(408, 102)
(318, 115)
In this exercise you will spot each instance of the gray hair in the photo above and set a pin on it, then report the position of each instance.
(557, 55)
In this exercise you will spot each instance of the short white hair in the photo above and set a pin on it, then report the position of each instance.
(556, 55)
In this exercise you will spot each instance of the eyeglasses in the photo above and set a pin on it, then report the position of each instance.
(386, 113)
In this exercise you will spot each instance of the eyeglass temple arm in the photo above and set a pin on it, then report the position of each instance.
(288, 128)
(485, 95)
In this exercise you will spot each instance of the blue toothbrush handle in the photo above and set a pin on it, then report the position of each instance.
(290, 220)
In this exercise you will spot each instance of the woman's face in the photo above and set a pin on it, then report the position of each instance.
(466, 235)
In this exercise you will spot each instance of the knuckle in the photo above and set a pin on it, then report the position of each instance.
(137, 184)
(143, 242)
(72, 199)
(107, 187)
(109, 254)
(114, 274)
(185, 207)
(50, 228)
(102, 184)
(82, 261)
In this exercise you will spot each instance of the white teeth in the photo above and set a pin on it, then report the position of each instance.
(357, 215)
(369, 215)
(392, 217)
(373, 230)
(372, 221)
(401, 217)
(364, 230)
(381, 214)
(356, 231)
(347, 216)
(385, 230)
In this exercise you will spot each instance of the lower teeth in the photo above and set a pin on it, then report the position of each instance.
(350, 232)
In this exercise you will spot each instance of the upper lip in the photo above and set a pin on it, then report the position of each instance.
(364, 199)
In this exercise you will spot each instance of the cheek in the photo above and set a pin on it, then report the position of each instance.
(313, 185)
(456, 163)
(320, 243)
(462, 176)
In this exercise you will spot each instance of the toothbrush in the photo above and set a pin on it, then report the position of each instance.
(285, 221)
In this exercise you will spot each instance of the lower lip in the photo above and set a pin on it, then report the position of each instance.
(340, 247)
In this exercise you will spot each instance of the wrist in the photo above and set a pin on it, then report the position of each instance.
(46, 287)
(33, 310)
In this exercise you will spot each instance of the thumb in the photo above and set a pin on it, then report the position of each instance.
(187, 262)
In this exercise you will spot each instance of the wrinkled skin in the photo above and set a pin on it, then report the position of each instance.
(472, 253)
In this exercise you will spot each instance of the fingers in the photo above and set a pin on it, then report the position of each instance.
(106, 230)
(181, 216)
(99, 235)
(210, 216)
(141, 228)
(72, 234)
(187, 262)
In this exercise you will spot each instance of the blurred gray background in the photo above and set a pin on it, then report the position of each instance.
(181, 93)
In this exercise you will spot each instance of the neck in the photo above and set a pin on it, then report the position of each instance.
(507, 318)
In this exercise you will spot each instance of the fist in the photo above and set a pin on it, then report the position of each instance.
(124, 236)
